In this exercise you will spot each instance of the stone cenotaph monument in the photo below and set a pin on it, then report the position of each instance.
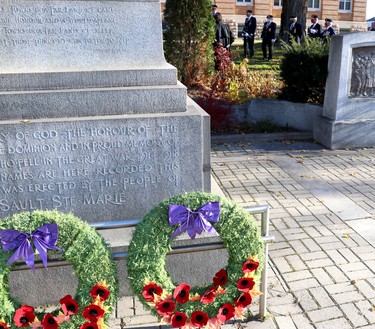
(93, 119)
(348, 118)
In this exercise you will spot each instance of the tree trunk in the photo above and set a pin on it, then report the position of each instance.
(292, 8)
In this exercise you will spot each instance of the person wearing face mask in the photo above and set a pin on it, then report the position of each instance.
(295, 30)
(268, 37)
(315, 30)
(328, 31)
(248, 33)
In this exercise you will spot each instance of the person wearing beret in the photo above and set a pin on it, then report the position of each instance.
(295, 30)
(214, 10)
(248, 33)
(315, 30)
(268, 37)
(328, 31)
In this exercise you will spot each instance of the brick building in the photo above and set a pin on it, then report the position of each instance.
(346, 13)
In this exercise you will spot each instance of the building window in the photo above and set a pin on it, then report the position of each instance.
(277, 3)
(345, 5)
(314, 5)
(244, 2)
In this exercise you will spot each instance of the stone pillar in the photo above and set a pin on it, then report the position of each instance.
(93, 119)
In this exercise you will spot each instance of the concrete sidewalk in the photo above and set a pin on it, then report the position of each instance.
(322, 266)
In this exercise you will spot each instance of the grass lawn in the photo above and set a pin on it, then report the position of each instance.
(257, 62)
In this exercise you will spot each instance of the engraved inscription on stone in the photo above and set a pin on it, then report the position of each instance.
(72, 34)
(86, 168)
(363, 72)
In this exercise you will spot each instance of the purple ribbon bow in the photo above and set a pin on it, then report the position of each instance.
(194, 221)
(43, 238)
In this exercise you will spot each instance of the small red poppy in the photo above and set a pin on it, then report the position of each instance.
(24, 315)
(243, 301)
(101, 291)
(89, 325)
(149, 290)
(92, 313)
(3, 325)
(49, 322)
(199, 319)
(226, 312)
(245, 284)
(178, 319)
(221, 278)
(181, 293)
(250, 266)
(165, 307)
(69, 305)
(209, 295)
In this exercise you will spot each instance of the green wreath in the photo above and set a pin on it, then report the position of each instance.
(181, 305)
(93, 266)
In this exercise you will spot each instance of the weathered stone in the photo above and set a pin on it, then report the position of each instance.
(348, 118)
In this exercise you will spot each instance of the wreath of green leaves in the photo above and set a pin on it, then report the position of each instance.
(82, 247)
(150, 244)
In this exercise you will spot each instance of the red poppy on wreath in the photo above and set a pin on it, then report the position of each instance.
(149, 290)
(93, 313)
(3, 325)
(89, 325)
(178, 319)
(209, 295)
(199, 319)
(24, 315)
(245, 284)
(101, 291)
(221, 278)
(250, 266)
(165, 307)
(49, 322)
(243, 301)
(68, 305)
(226, 312)
(181, 293)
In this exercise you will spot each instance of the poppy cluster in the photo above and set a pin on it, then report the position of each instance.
(167, 304)
(25, 316)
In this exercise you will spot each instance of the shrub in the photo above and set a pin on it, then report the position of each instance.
(304, 70)
(239, 83)
(188, 38)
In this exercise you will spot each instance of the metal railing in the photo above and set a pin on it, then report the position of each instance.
(130, 223)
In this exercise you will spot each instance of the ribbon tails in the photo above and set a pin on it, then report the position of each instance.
(194, 222)
(44, 237)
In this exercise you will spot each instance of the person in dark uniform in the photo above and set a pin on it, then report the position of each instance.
(268, 37)
(222, 32)
(214, 10)
(295, 30)
(248, 33)
(328, 31)
(315, 30)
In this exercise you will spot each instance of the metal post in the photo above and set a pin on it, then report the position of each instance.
(265, 228)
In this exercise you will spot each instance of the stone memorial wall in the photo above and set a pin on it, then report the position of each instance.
(348, 118)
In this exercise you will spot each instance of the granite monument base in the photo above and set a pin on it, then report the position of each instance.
(345, 133)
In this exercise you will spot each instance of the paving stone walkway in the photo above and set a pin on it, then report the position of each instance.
(322, 265)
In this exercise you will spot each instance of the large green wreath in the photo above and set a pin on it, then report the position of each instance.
(82, 247)
(151, 242)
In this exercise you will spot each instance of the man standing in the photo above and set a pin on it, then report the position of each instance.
(214, 10)
(315, 30)
(295, 30)
(328, 31)
(248, 33)
(268, 37)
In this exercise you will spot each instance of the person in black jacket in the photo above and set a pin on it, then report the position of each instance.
(248, 33)
(268, 37)
(223, 33)
(315, 30)
(295, 30)
(328, 31)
